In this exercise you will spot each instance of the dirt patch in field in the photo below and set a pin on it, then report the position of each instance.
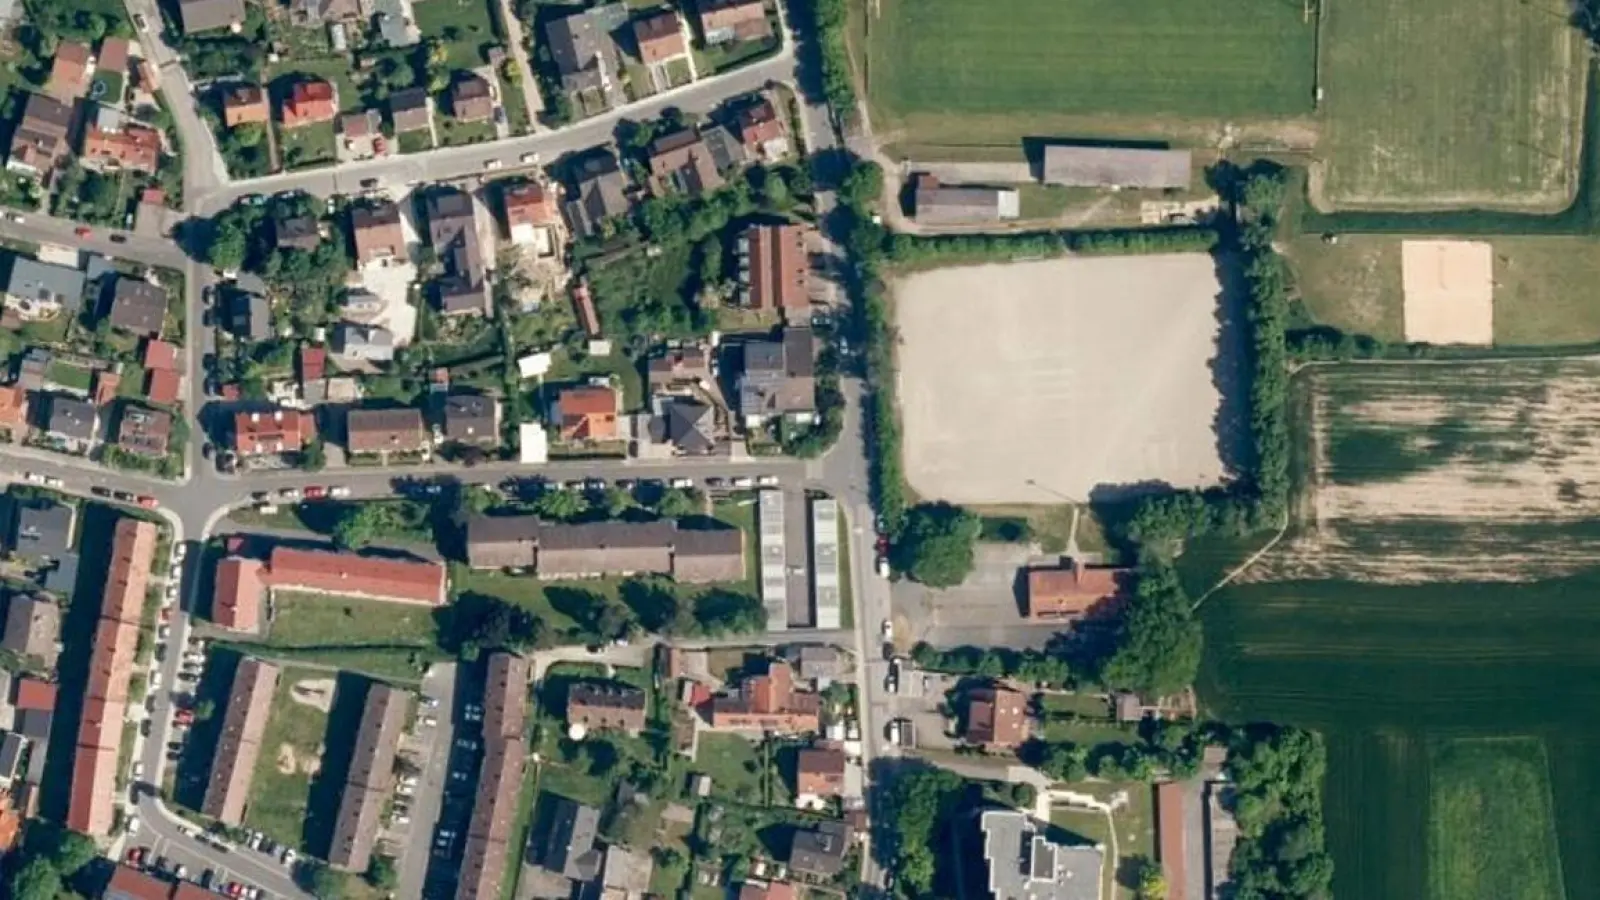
(316, 693)
(1040, 382)
(1449, 291)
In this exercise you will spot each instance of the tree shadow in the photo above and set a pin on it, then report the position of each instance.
(1231, 368)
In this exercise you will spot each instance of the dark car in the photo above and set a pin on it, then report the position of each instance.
(119, 239)
(100, 491)
(369, 182)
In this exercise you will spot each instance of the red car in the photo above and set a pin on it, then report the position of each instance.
(315, 492)
(82, 231)
(147, 501)
(135, 856)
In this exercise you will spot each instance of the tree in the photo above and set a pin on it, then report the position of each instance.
(936, 544)
(314, 457)
(1066, 761)
(38, 879)
(360, 523)
(204, 710)
(328, 884)
(614, 502)
(248, 134)
(1586, 17)
(558, 505)
(863, 186)
(1158, 642)
(228, 246)
(511, 72)
(1150, 883)
(381, 873)
(675, 503)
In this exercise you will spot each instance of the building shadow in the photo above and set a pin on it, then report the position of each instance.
(338, 746)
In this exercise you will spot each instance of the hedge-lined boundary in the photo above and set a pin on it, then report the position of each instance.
(908, 251)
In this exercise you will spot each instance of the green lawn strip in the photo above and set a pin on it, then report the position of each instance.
(279, 798)
(1491, 830)
(516, 105)
(465, 26)
(301, 620)
(617, 365)
(847, 601)
(736, 766)
(455, 133)
(414, 141)
(69, 376)
(308, 145)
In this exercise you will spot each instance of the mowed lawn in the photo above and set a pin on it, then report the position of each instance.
(1031, 58)
(1543, 293)
(1444, 103)
(1491, 831)
(291, 754)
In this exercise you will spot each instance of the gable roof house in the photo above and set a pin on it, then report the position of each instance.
(941, 204)
(296, 233)
(820, 851)
(408, 110)
(41, 532)
(768, 703)
(453, 233)
(599, 706)
(997, 717)
(239, 586)
(532, 217)
(385, 431)
(367, 123)
(1075, 591)
(600, 193)
(137, 307)
(363, 342)
(556, 550)
(370, 777)
(41, 290)
(308, 103)
(583, 46)
(208, 15)
(588, 413)
(15, 408)
(144, 432)
(74, 423)
(472, 419)
(678, 368)
(261, 433)
(375, 228)
(779, 268)
(779, 377)
(819, 775)
(570, 848)
(685, 423)
(244, 104)
(659, 37)
(470, 98)
(244, 724)
(354, 575)
(40, 138)
(722, 21)
(112, 143)
(70, 71)
(682, 162)
(762, 132)
(33, 628)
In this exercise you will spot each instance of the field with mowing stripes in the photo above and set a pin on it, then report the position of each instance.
(1437, 104)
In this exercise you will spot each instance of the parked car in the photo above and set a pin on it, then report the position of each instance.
(289, 494)
(119, 238)
(147, 501)
(315, 492)
(83, 231)
(744, 481)
(338, 491)
(767, 481)
(530, 158)
(682, 483)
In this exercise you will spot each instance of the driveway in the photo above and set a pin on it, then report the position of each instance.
(438, 685)
(985, 610)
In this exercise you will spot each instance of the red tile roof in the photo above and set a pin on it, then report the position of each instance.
(997, 717)
(659, 37)
(159, 354)
(162, 386)
(129, 882)
(237, 601)
(114, 55)
(778, 268)
(588, 413)
(279, 431)
(350, 573)
(530, 204)
(313, 363)
(13, 407)
(759, 123)
(106, 383)
(35, 694)
(819, 772)
(133, 147)
(1073, 592)
(309, 102)
(777, 890)
(69, 73)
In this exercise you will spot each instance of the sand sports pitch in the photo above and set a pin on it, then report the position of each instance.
(1449, 291)
(1041, 381)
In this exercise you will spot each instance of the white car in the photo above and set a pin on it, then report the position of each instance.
(163, 632)
(883, 567)
(288, 856)
(888, 630)
(492, 164)
(138, 773)
(338, 491)
(51, 481)
(683, 483)
(179, 552)
(290, 493)
(744, 481)
(33, 477)
(767, 481)
(16, 217)
(527, 159)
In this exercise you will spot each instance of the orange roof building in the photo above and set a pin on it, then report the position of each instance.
(162, 386)
(733, 20)
(279, 431)
(779, 271)
(35, 695)
(244, 104)
(529, 207)
(240, 584)
(111, 659)
(1074, 592)
(763, 890)
(114, 55)
(768, 703)
(132, 147)
(106, 383)
(819, 773)
(659, 37)
(14, 411)
(159, 354)
(1171, 837)
(588, 413)
(70, 71)
(761, 130)
(997, 717)
(354, 575)
(308, 103)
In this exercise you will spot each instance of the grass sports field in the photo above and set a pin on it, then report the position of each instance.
(1542, 293)
(1003, 69)
(1441, 103)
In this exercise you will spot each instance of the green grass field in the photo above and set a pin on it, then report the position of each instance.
(465, 26)
(278, 798)
(1439, 104)
(1490, 829)
(1004, 69)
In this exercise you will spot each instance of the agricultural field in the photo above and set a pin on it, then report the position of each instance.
(961, 73)
(1437, 104)
(1542, 287)
(1490, 828)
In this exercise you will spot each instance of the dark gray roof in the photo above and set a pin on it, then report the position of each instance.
(820, 851)
(601, 193)
(571, 848)
(470, 417)
(297, 231)
(46, 282)
(71, 418)
(453, 232)
(137, 306)
(63, 579)
(42, 532)
(1138, 167)
(799, 352)
(726, 151)
(577, 39)
(763, 356)
(10, 754)
(689, 424)
(34, 723)
(206, 15)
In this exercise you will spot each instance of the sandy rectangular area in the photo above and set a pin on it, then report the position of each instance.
(1449, 287)
(1041, 381)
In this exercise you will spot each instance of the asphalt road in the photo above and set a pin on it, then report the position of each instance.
(440, 685)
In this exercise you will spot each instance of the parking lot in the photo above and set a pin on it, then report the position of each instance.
(985, 610)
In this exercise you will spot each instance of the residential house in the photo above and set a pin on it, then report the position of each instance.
(362, 125)
(15, 408)
(114, 53)
(375, 226)
(395, 26)
(726, 152)
(570, 849)
(616, 548)
(600, 193)
(40, 138)
(723, 21)
(1025, 865)
(941, 204)
(471, 100)
(779, 269)
(686, 424)
(324, 12)
(385, 431)
(505, 695)
(41, 290)
(601, 706)
(103, 391)
(583, 46)
(472, 419)
(820, 852)
(779, 378)
(137, 307)
(817, 664)
(244, 104)
(679, 369)
(70, 71)
(296, 233)
(129, 883)
(93, 796)
(590, 412)
(659, 37)
(112, 143)
(408, 110)
(453, 233)
(997, 718)
(209, 15)
(681, 162)
(354, 575)
(626, 873)
(11, 747)
(367, 343)
(144, 432)
(271, 432)
(768, 703)
(41, 532)
(764, 890)
(819, 775)
(370, 777)
(159, 355)
(239, 587)
(532, 217)
(308, 103)
(1076, 591)
(762, 132)
(74, 424)
(249, 315)
(239, 745)
(1118, 167)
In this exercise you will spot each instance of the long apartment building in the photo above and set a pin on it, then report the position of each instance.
(593, 549)
(111, 658)
(234, 765)
(488, 848)
(370, 779)
(242, 585)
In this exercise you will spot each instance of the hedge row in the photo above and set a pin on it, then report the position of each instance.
(827, 23)
(955, 249)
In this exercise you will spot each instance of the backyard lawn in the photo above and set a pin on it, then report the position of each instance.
(464, 26)
(308, 145)
(291, 753)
